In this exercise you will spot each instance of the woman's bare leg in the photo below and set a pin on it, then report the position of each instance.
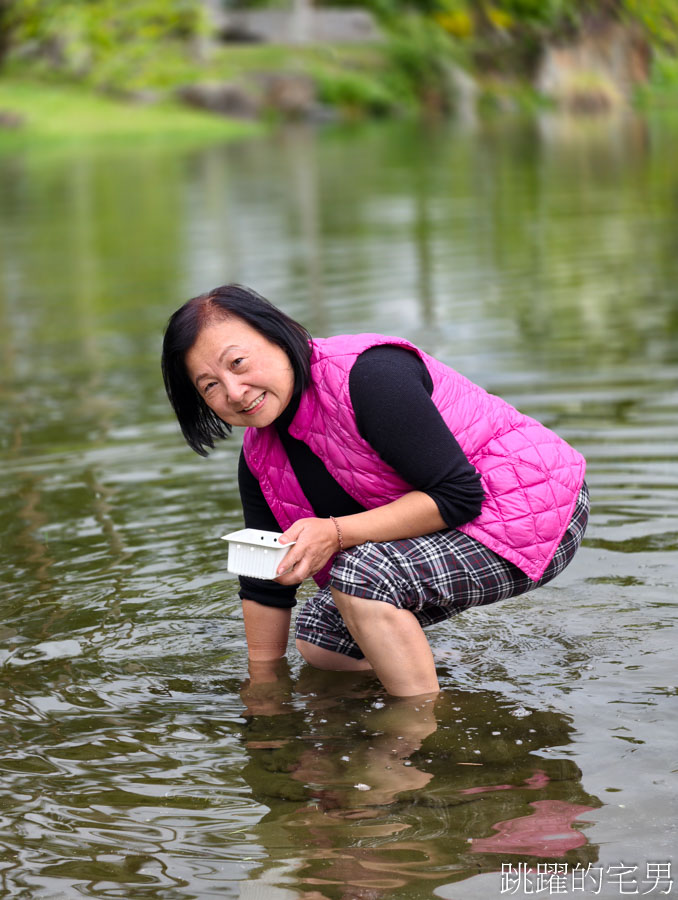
(393, 642)
(320, 658)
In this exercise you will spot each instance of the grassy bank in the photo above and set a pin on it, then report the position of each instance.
(41, 113)
(39, 107)
(350, 82)
(431, 59)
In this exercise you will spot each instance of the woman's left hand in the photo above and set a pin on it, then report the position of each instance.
(316, 541)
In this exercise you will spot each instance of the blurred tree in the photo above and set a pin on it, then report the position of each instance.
(4, 28)
(659, 18)
(74, 35)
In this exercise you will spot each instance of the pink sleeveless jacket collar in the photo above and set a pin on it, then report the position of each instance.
(531, 477)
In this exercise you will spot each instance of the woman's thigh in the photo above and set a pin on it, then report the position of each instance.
(434, 577)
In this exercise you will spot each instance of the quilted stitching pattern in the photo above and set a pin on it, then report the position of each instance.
(530, 475)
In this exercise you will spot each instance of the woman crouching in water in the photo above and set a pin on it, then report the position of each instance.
(411, 493)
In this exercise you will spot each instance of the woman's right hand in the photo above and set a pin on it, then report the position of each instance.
(317, 540)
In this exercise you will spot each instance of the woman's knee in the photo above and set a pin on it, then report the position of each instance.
(355, 609)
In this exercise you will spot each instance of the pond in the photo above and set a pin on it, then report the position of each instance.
(537, 256)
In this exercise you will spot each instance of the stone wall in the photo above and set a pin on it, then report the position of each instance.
(304, 23)
(596, 71)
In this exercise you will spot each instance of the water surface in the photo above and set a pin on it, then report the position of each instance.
(537, 257)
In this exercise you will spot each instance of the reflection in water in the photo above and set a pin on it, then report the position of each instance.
(547, 832)
(387, 793)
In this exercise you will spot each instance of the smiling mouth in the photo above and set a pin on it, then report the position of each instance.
(254, 404)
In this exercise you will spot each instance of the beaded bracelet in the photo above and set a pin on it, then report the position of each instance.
(339, 535)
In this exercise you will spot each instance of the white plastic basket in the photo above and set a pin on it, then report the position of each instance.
(255, 553)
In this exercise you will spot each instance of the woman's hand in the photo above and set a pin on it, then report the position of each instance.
(411, 515)
(316, 541)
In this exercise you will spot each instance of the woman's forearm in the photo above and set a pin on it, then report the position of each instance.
(266, 629)
(316, 540)
(411, 515)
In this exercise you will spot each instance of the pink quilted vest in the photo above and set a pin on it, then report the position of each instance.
(531, 477)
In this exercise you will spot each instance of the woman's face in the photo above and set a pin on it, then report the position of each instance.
(243, 377)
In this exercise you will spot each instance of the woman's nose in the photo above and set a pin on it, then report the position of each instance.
(235, 388)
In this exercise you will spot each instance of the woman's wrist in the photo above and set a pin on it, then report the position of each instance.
(340, 536)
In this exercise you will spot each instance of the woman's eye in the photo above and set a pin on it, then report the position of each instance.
(208, 387)
(237, 362)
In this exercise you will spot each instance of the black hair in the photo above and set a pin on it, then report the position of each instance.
(199, 424)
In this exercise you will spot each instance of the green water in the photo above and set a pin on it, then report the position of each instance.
(540, 258)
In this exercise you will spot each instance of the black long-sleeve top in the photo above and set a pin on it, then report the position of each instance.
(390, 390)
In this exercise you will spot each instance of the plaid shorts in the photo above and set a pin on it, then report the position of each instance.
(434, 576)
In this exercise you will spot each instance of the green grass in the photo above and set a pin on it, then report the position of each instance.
(51, 113)
(55, 112)
(236, 59)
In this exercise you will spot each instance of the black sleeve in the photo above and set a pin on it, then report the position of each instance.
(391, 389)
(258, 514)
